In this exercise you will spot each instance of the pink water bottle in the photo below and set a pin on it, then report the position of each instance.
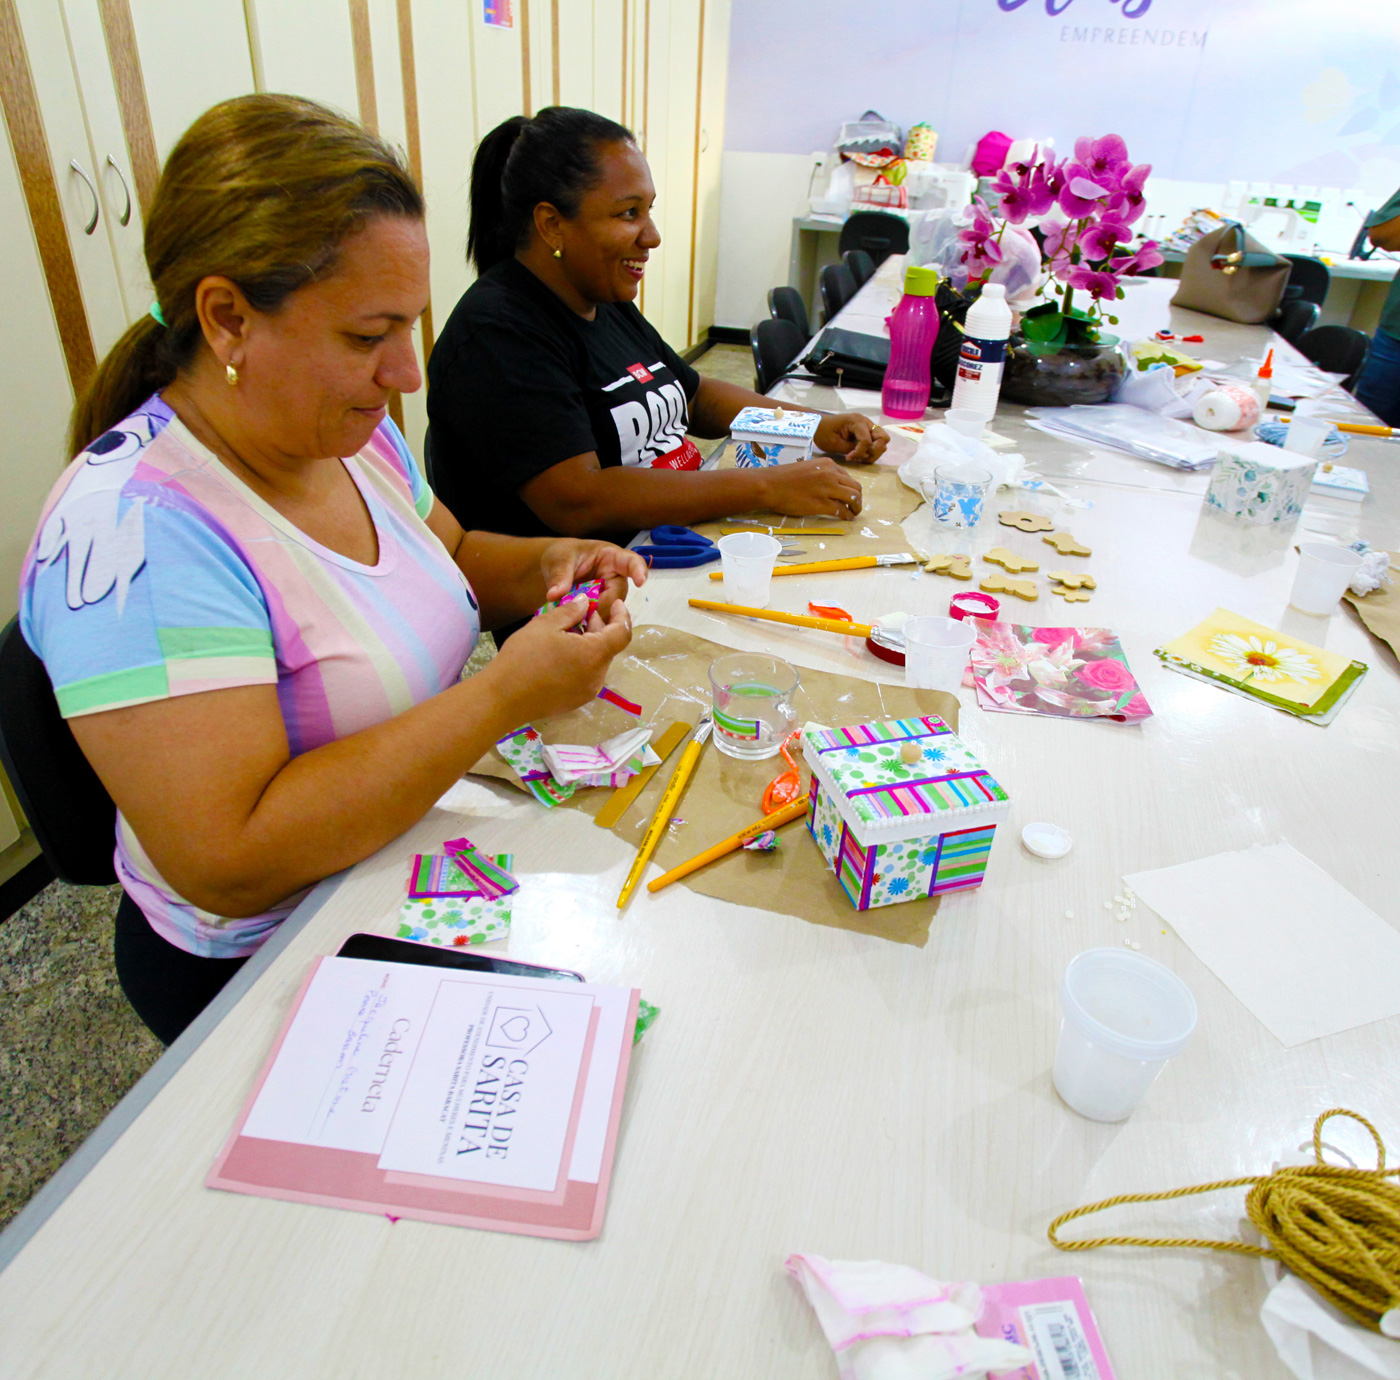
(913, 329)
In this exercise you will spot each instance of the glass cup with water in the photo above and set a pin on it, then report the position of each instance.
(752, 697)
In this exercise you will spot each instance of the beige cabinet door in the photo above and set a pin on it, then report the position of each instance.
(75, 167)
(194, 54)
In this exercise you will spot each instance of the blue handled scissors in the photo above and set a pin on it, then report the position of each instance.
(677, 548)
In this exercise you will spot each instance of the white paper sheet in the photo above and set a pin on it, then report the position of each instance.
(1301, 952)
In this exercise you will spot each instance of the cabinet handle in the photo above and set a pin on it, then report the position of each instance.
(126, 214)
(96, 205)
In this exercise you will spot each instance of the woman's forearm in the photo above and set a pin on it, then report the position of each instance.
(505, 574)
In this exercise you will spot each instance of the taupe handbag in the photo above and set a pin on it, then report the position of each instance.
(1229, 274)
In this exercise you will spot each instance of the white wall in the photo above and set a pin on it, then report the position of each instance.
(1207, 91)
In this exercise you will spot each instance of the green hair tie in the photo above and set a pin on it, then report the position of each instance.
(155, 314)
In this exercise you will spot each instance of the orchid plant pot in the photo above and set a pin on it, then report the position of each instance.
(1040, 375)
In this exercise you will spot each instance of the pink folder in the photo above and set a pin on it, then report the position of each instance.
(572, 1211)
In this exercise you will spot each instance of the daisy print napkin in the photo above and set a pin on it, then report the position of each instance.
(1264, 665)
(1070, 673)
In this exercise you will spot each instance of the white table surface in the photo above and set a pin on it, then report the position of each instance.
(804, 1088)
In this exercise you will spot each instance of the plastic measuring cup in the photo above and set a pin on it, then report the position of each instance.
(1123, 1017)
(935, 652)
(747, 559)
(966, 421)
(1324, 572)
(752, 697)
(1306, 435)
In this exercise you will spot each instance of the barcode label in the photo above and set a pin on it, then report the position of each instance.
(1054, 1332)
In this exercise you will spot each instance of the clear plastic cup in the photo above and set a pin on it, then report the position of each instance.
(1306, 435)
(747, 559)
(1324, 572)
(935, 652)
(1123, 1017)
(958, 494)
(752, 698)
(965, 421)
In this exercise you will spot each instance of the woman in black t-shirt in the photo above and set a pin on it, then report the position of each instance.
(553, 405)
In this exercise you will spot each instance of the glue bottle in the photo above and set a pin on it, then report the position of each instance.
(913, 330)
(1263, 385)
(983, 352)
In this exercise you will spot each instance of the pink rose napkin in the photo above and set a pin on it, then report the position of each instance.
(1071, 673)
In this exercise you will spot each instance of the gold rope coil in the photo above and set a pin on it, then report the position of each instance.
(1339, 1229)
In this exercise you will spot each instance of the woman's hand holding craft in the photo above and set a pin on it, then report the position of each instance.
(571, 561)
(812, 488)
(546, 668)
(852, 436)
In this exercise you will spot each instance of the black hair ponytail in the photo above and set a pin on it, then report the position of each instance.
(522, 162)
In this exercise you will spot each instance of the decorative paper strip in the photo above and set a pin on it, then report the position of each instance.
(1069, 673)
(736, 728)
(890, 731)
(592, 591)
(765, 842)
(457, 921)
(613, 697)
(523, 752)
(437, 875)
(573, 763)
(487, 878)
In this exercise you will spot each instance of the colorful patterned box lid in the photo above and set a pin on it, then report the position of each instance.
(882, 797)
(758, 424)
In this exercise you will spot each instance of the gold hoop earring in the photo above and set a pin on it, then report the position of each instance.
(558, 253)
(231, 374)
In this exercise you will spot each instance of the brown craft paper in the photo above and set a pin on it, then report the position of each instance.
(1380, 610)
(667, 673)
(885, 500)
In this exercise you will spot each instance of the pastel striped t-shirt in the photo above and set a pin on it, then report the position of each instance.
(157, 572)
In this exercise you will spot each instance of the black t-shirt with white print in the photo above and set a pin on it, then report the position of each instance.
(517, 383)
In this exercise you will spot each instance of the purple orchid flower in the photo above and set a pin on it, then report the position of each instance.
(1101, 240)
(1147, 256)
(1104, 159)
(1128, 203)
(978, 236)
(1100, 285)
(1081, 195)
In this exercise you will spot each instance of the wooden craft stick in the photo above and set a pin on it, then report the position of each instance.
(813, 567)
(773, 821)
(621, 800)
(788, 531)
(800, 620)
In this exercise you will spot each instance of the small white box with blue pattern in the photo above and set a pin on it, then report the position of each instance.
(772, 436)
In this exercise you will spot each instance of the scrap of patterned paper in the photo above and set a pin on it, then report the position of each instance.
(1252, 660)
(457, 921)
(612, 763)
(1069, 673)
(523, 752)
(479, 869)
(592, 590)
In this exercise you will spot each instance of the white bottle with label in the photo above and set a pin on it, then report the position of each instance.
(983, 352)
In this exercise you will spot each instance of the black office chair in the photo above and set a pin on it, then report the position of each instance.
(786, 304)
(775, 345)
(1309, 276)
(861, 265)
(428, 458)
(877, 232)
(1295, 318)
(838, 287)
(68, 808)
(1338, 349)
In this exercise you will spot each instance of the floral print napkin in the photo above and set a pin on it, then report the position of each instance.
(1071, 673)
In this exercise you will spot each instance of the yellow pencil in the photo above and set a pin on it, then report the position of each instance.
(662, 817)
(1360, 428)
(773, 821)
(800, 620)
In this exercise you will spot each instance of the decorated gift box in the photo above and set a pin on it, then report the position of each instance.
(1260, 483)
(772, 436)
(901, 809)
